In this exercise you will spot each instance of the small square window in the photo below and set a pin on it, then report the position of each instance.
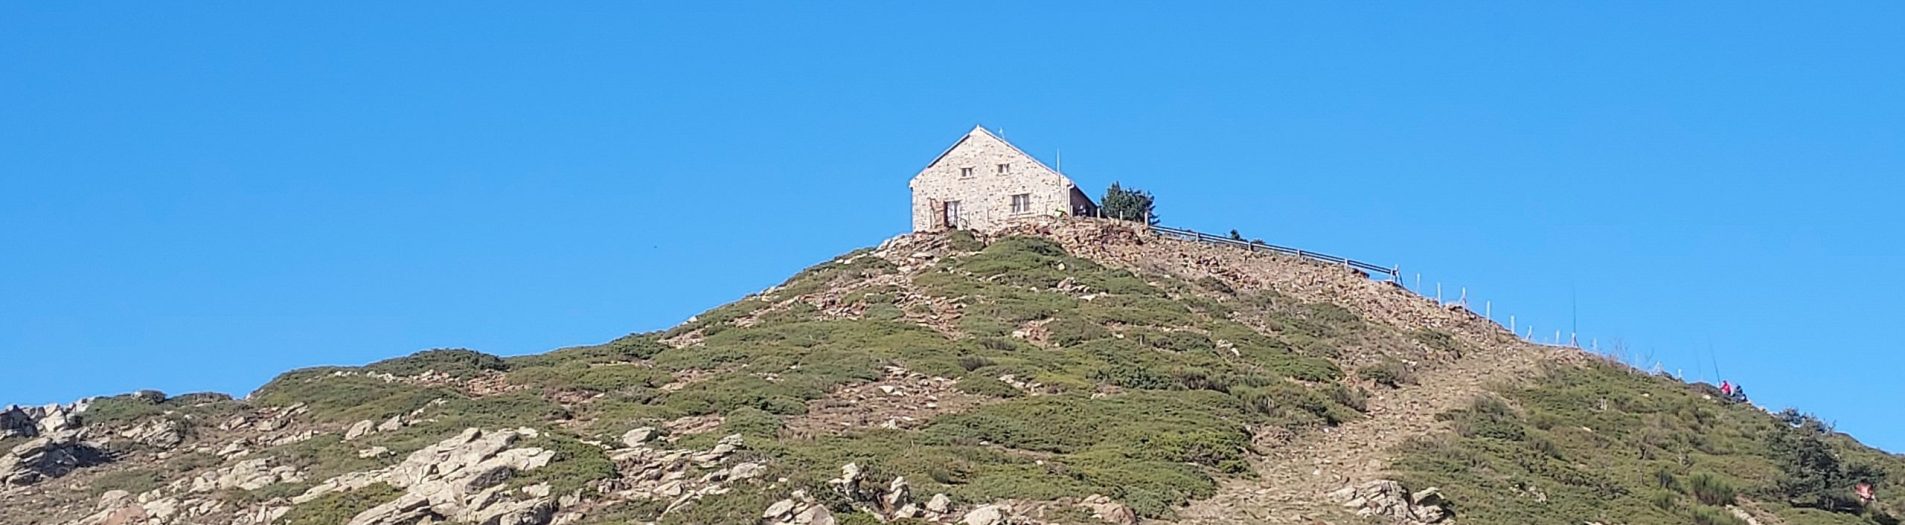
(965, 172)
(1005, 168)
(1022, 203)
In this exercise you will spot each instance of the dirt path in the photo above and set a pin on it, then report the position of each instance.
(1293, 480)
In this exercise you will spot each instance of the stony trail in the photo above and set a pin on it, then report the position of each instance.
(1294, 479)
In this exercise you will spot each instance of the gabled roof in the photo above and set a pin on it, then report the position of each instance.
(981, 130)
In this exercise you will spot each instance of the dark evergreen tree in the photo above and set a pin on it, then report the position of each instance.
(1129, 204)
(1811, 474)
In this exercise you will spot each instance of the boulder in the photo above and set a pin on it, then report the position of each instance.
(939, 504)
(898, 494)
(49, 456)
(638, 437)
(800, 509)
(1108, 510)
(1389, 501)
(250, 474)
(54, 419)
(814, 515)
(161, 433)
(984, 515)
(359, 429)
(780, 511)
(462, 479)
(15, 422)
(848, 484)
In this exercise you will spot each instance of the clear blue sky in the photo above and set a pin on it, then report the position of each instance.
(196, 197)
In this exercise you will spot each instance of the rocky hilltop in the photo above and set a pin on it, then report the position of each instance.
(1068, 371)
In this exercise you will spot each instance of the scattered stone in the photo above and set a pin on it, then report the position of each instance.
(250, 474)
(939, 504)
(161, 433)
(1108, 510)
(1388, 500)
(898, 494)
(985, 515)
(638, 437)
(797, 510)
(359, 429)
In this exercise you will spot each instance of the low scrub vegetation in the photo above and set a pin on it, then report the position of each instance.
(1391, 373)
(1605, 443)
(1147, 388)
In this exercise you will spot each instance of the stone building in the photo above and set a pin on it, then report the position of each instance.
(983, 183)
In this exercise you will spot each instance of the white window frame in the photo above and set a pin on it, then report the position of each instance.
(966, 172)
(1005, 168)
(1022, 203)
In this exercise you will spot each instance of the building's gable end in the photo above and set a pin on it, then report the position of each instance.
(983, 182)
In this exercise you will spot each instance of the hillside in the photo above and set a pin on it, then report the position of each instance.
(1068, 372)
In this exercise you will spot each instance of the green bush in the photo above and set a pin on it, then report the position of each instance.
(583, 376)
(576, 465)
(346, 398)
(632, 347)
(1603, 440)
(1128, 204)
(456, 362)
(965, 241)
(1488, 417)
(751, 423)
(1664, 500)
(974, 362)
(1355, 398)
(1710, 489)
(1177, 341)
(1714, 516)
(986, 386)
(1067, 331)
(120, 409)
(1390, 372)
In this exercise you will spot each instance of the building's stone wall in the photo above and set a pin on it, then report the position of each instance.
(985, 197)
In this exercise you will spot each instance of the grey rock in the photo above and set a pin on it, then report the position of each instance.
(48, 456)
(359, 429)
(985, 515)
(15, 422)
(638, 437)
(162, 433)
(939, 504)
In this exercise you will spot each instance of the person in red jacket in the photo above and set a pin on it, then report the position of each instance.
(1726, 389)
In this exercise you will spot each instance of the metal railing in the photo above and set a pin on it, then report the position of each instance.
(1394, 273)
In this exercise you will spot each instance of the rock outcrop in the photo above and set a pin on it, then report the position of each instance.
(250, 474)
(1388, 500)
(801, 509)
(49, 456)
(19, 421)
(459, 479)
(669, 475)
(161, 433)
